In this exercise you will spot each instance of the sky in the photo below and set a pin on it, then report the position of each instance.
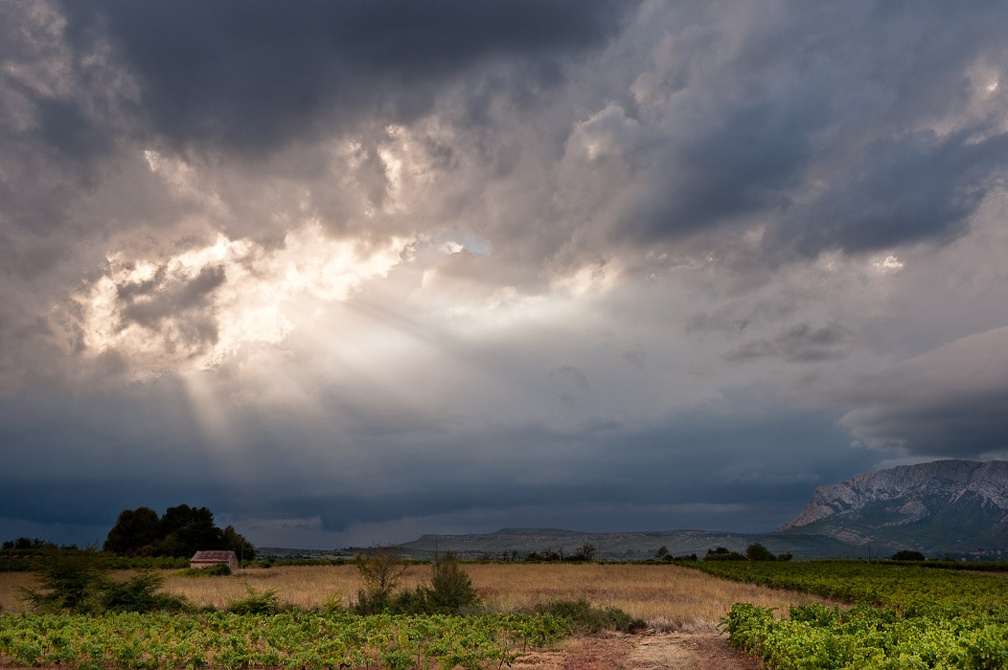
(351, 272)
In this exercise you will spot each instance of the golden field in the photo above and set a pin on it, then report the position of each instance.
(669, 597)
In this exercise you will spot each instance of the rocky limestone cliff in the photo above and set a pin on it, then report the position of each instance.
(914, 490)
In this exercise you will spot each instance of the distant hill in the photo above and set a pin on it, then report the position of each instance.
(953, 506)
(520, 542)
(945, 508)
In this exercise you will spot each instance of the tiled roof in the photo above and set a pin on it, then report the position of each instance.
(213, 556)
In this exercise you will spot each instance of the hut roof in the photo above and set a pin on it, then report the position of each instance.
(213, 556)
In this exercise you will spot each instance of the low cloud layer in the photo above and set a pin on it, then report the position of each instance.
(351, 272)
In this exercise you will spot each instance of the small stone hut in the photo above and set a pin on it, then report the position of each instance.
(209, 559)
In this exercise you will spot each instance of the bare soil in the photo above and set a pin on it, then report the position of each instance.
(650, 651)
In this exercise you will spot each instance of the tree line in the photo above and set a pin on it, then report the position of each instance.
(181, 531)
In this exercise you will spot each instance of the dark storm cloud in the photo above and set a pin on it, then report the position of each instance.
(253, 74)
(82, 458)
(964, 426)
(678, 462)
(904, 189)
(746, 163)
(948, 402)
(494, 258)
(816, 123)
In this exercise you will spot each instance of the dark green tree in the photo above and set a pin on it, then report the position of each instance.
(181, 532)
(757, 552)
(908, 555)
(135, 533)
(186, 530)
(238, 544)
(723, 554)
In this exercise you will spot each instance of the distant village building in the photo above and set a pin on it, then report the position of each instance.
(209, 559)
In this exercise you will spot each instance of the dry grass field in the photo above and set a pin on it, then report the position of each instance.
(669, 597)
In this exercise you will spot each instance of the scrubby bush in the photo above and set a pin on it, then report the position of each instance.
(78, 582)
(213, 571)
(71, 581)
(908, 555)
(255, 602)
(723, 554)
(588, 619)
(140, 594)
(380, 569)
(757, 552)
(451, 590)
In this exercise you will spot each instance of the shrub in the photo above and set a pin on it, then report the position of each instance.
(77, 582)
(380, 569)
(588, 619)
(722, 554)
(255, 602)
(451, 590)
(213, 571)
(757, 552)
(140, 594)
(71, 581)
(908, 555)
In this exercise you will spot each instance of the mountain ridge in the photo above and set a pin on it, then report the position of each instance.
(952, 507)
(954, 479)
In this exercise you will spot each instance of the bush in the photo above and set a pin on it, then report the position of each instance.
(213, 571)
(140, 594)
(757, 552)
(722, 554)
(380, 569)
(255, 602)
(77, 582)
(71, 581)
(451, 590)
(908, 555)
(588, 619)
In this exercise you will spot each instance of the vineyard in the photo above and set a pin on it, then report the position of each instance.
(902, 617)
(288, 640)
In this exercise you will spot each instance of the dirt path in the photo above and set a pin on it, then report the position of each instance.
(656, 651)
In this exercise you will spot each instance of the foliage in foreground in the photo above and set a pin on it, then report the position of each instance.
(291, 639)
(904, 617)
(899, 585)
(871, 638)
(587, 619)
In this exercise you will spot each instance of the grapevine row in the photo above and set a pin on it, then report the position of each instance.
(289, 640)
(817, 637)
(903, 617)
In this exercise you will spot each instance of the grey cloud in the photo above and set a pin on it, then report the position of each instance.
(950, 401)
(811, 123)
(150, 301)
(901, 190)
(691, 161)
(799, 344)
(571, 374)
(146, 448)
(253, 74)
